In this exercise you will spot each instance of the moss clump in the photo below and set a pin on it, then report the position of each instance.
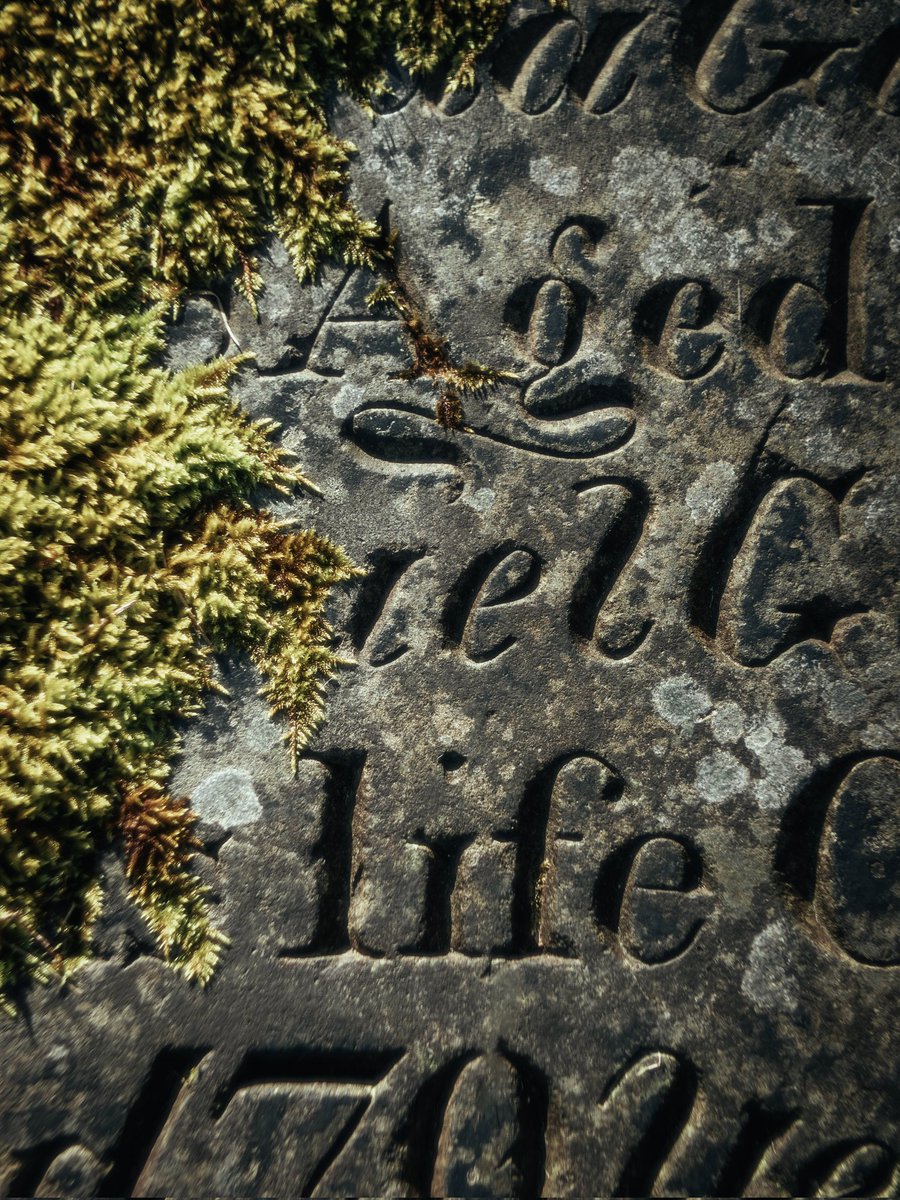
(128, 556)
(146, 149)
(176, 133)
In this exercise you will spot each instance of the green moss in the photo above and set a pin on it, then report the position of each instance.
(129, 556)
(178, 133)
(146, 149)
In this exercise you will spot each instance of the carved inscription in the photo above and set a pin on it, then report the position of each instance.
(385, 607)
(552, 883)
(587, 882)
(678, 323)
(788, 582)
(645, 897)
(742, 65)
(839, 852)
(155, 1109)
(732, 57)
(609, 608)
(491, 1139)
(547, 53)
(473, 618)
(821, 331)
(565, 805)
(482, 1123)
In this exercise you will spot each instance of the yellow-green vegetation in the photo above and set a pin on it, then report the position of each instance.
(129, 555)
(146, 149)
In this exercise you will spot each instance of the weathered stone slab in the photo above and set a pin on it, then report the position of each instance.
(589, 882)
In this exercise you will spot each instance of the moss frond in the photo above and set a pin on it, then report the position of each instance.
(159, 842)
(430, 352)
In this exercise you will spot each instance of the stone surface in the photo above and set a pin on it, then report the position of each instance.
(589, 882)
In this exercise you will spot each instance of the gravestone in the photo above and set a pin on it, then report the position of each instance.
(588, 883)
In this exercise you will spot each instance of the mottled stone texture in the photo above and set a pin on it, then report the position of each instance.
(589, 883)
